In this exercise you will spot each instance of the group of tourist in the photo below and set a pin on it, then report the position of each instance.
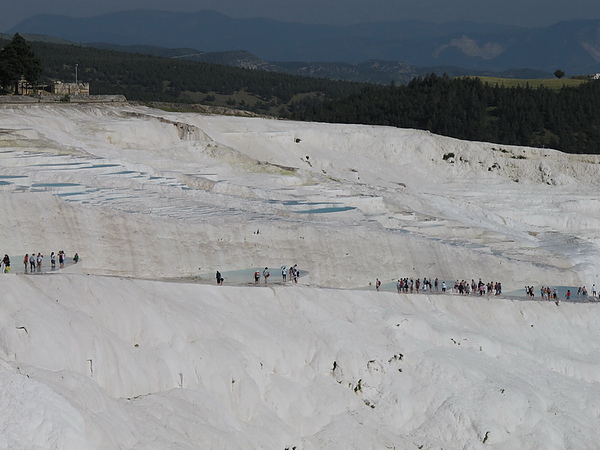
(33, 262)
(583, 292)
(410, 285)
(294, 273)
(463, 287)
(548, 293)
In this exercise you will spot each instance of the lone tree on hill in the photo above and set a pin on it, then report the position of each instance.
(18, 60)
(559, 74)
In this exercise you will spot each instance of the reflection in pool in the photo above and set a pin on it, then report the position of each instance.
(38, 185)
(331, 209)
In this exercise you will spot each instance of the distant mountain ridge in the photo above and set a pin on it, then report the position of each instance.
(572, 46)
(373, 71)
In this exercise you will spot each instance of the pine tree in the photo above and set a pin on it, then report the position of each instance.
(18, 60)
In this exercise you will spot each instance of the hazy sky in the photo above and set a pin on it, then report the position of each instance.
(519, 12)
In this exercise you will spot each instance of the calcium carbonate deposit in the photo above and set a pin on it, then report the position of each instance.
(136, 347)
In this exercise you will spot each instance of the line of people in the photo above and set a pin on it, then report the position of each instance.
(406, 285)
(33, 262)
(294, 273)
(548, 293)
(583, 292)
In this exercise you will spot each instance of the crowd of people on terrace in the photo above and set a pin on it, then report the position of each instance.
(33, 263)
(463, 287)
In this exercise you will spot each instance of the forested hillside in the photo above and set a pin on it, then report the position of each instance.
(150, 78)
(567, 119)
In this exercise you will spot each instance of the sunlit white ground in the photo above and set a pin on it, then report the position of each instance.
(134, 347)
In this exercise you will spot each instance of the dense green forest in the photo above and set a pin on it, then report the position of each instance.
(567, 119)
